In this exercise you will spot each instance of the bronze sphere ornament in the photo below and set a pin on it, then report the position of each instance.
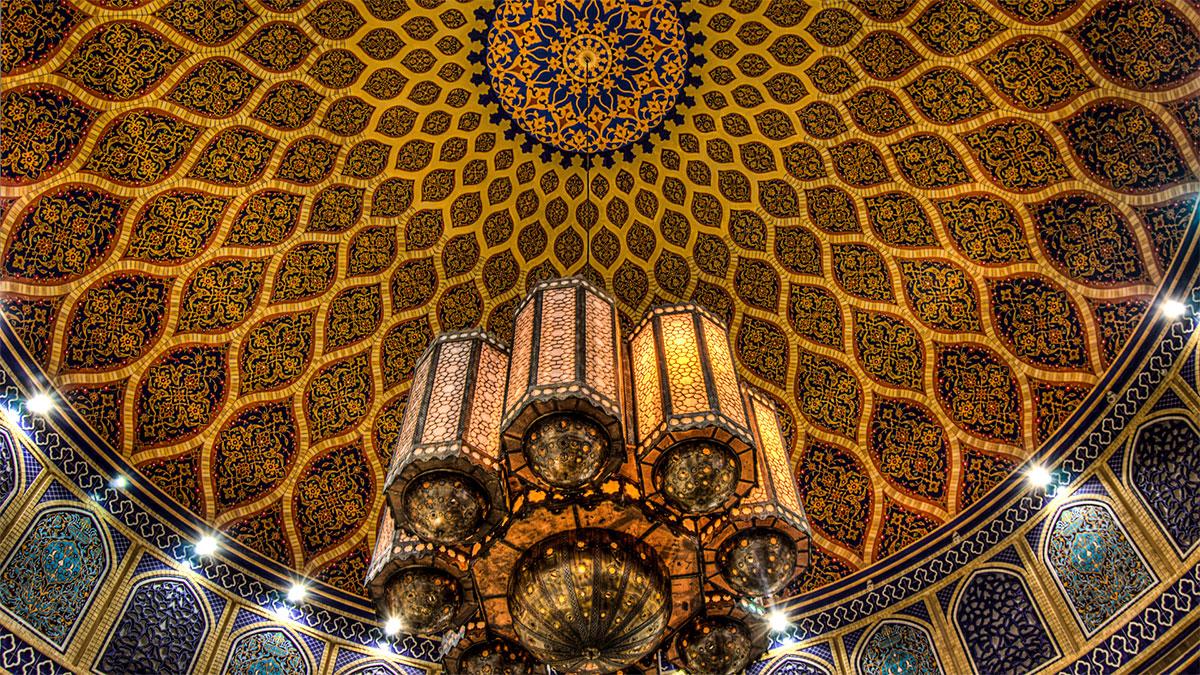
(444, 507)
(697, 476)
(758, 561)
(589, 601)
(422, 599)
(715, 645)
(588, 500)
(567, 451)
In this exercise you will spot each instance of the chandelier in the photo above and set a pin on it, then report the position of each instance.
(587, 501)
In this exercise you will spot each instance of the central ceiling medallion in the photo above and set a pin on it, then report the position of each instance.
(587, 76)
(589, 499)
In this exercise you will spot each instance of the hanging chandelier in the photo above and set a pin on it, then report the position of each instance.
(587, 501)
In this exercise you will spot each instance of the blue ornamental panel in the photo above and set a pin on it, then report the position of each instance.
(160, 630)
(1094, 563)
(1164, 467)
(898, 647)
(52, 574)
(270, 651)
(789, 664)
(999, 625)
(8, 467)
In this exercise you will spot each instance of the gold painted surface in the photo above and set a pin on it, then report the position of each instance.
(726, 192)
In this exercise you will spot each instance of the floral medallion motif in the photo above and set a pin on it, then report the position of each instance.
(910, 448)
(122, 60)
(34, 30)
(253, 453)
(63, 234)
(333, 497)
(141, 148)
(40, 131)
(116, 321)
(587, 76)
(180, 394)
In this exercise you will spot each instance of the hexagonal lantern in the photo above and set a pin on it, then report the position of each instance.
(424, 588)
(563, 424)
(446, 483)
(695, 451)
(763, 542)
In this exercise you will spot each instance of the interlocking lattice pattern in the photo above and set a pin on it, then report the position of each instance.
(231, 227)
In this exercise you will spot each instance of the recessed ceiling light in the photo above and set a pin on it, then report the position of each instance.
(392, 626)
(119, 482)
(282, 613)
(40, 404)
(778, 621)
(1173, 309)
(297, 593)
(13, 417)
(206, 546)
(1039, 476)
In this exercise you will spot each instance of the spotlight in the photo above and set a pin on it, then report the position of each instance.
(118, 482)
(1039, 476)
(282, 613)
(391, 627)
(1173, 309)
(40, 404)
(297, 593)
(13, 417)
(206, 546)
(778, 621)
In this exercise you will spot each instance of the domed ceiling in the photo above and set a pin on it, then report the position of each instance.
(231, 226)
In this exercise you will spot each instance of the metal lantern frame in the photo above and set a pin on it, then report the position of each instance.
(658, 421)
(636, 408)
(400, 550)
(588, 321)
(465, 448)
(774, 503)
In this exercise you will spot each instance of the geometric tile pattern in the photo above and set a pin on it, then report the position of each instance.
(945, 192)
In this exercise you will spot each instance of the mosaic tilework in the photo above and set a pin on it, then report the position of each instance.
(896, 145)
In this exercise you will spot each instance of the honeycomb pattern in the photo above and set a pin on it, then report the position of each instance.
(231, 226)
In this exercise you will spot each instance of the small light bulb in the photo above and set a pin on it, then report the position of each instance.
(1039, 476)
(13, 417)
(1173, 309)
(778, 621)
(297, 593)
(282, 613)
(392, 627)
(118, 482)
(206, 546)
(40, 404)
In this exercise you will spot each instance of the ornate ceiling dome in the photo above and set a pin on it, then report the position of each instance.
(230, 227)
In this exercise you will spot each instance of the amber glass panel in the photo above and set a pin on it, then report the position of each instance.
(728, 394)
(601, 353)
(771, 441)
(645, 381)
(384, 535)
(556, 347)
(518, 374)
(483, 431)
(685, 374)
(412, 411)
(446, 398)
